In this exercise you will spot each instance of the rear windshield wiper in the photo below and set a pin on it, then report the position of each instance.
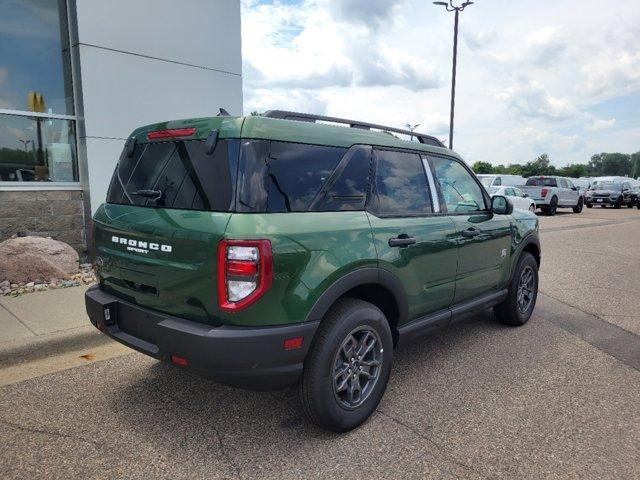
(153, 194)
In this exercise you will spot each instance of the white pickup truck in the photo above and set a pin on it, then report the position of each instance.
(551, 193)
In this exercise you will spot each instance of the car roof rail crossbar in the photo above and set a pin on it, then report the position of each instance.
(307, 117)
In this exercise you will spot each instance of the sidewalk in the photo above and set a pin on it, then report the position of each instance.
(44, 323)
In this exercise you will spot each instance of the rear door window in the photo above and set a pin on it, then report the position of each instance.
(401, 187)
(182, 174)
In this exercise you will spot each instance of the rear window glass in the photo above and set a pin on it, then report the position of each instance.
(296, 174)
(541, 182)
(177, 175)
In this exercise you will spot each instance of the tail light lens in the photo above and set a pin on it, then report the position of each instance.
(544, 192)
(245, 272)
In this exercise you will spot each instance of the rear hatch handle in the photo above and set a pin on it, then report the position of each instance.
(153, 194)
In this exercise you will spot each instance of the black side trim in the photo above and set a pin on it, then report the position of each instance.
(424, 325)
(356, 278)
(529, 239)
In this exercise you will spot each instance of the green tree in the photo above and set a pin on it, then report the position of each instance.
(482, 167)
(635, 159)
(575, 170)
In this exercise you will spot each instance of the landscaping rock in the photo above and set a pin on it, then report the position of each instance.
(26, 259)
(5, 284)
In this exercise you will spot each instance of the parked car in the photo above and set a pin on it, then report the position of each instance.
(267, 251)
(551, 193)
(635, 193)
(501, 180)
(611, 193)
(520, 199)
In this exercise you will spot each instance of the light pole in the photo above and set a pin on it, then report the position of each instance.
(452, 8)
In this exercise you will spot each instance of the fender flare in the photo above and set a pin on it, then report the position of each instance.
(530, 239)
(355, 278)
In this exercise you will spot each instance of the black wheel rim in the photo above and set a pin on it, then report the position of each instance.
(357, 366)
(526, 289)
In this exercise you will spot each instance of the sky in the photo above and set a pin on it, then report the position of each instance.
(559, 77)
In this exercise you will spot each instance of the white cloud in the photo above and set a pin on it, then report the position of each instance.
(529, 73)
(600, 124)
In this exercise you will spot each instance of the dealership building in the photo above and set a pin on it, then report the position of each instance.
(77, 76)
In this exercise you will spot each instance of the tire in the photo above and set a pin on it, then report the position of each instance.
(578, 208)
(617, 205)
(513, 311)
(552, 208)
(629, 205)
(323, 401)
(589, 205)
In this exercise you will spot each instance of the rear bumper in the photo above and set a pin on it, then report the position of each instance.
(246, 357)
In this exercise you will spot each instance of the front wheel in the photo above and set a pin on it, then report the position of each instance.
(517, 308)
(578, 208)
(617, 205)
(348, 366)
(589, 205)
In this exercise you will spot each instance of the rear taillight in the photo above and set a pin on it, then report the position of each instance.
(171, 133)
(245, 271)
(544, 192)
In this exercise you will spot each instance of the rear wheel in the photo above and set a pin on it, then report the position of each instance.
(348, 367)
(552, 208)
(578, 208)
(517, 308)
(589, 205)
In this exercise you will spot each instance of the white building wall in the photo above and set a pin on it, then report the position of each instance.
(147, 61)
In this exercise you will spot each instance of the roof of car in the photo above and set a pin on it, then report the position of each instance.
(260, 127)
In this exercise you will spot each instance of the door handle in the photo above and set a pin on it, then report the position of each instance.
(471, 232)
(403, 240)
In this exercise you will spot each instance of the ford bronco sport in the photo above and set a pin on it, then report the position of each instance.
(284, 249)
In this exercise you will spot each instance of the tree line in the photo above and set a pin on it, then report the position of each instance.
(601, 164)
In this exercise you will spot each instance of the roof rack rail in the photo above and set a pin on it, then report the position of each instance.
(307, 117)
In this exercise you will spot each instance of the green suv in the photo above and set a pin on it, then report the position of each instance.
(283, 249)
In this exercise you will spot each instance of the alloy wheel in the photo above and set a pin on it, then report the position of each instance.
(525, 289)
(357, 367)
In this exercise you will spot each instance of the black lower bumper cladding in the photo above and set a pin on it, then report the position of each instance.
(248, 357)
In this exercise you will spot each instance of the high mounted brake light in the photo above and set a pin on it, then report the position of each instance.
(171, 133)
(245, 272)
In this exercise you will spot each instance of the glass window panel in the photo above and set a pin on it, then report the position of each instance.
(401, 184)
(460, 190)
(34, 56)
(37, 149)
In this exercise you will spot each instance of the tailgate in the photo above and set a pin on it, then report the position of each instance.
(163, 259)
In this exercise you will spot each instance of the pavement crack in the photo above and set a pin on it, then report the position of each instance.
(438, 447)
(52, 433)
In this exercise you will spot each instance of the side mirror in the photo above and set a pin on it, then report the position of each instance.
(574, 188)
(525, 195)
(501, 205)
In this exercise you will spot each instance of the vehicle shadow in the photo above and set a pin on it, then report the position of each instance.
(183, 414)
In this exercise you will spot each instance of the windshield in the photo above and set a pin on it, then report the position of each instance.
(607, 186)
(493, 190)
(541, 182)
(486, 181)
(177, 174)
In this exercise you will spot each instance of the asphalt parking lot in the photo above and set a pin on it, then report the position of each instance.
(557, 398)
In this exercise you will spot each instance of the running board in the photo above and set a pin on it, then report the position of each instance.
(422, 326)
